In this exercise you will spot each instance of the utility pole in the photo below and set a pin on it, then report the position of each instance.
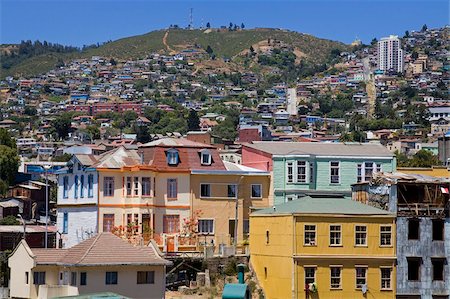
(47, 167)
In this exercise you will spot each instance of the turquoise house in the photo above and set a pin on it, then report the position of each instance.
(302, 168)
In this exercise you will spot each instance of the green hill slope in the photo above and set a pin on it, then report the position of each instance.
(224, 43)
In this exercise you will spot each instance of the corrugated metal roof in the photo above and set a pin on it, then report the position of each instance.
(321, 148)
(118, 158)
(310, 205)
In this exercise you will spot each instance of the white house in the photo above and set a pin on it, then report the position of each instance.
(77, 200)
(103, 263)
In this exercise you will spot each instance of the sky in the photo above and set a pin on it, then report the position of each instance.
(83, 22)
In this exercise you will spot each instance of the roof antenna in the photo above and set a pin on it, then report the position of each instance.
(191, 19)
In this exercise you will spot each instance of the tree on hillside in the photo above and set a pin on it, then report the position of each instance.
(9, 160)
(209, 50)
(230, 27)
(252, 50)
(424, 27)
(6, 139)
(242, 26)
(62, 125)
(208, 25)
(422, 158)
(406, 34)
(193, 121)
(374, 41)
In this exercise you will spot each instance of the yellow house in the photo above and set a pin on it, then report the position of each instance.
(217, 195)
(324, 248)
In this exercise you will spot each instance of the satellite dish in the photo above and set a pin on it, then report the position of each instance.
(364, 288)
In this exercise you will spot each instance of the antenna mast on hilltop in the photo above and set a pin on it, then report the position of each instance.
(191, 19)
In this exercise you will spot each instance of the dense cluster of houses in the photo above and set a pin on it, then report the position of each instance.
(316, 216)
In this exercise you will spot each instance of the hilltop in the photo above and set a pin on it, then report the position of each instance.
(225, 44)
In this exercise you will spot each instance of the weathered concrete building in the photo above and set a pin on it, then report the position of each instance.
(423, 229)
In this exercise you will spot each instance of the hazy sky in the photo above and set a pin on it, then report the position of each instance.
(81, 22)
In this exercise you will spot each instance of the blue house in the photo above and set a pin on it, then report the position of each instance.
(77, 200)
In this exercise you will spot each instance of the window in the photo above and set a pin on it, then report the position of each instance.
(83, 278)
(365, 170)
(267, 237)
(205, 190)
(172, 192)
(27, 278)
(82, 186)
(386, 278)
(108, 222)
(172, 157)
(413, 268)
(128, 186)
(368, 171)
(290, 172)
(232, 191)
(438, 268)
(65, 186)
(335, 277)
(310, 275)
(413, 229)
(310, 235)
(256, 191)
(39, 278)
(73, 278)
(136, 186)
(65, 223)
(108, 186)
(246, 227)
(90, 185)
(438, 230)
(297, 172)
(206, 226)
(359, 173)
(205, 157)
(265, 272)
(111, 278)
(145, 277)
(360, 235)
(334, 172)
(360, 276)
(311, 172)
(146, 186)
(171, 224)
(385, 235)
(301, 171)
(335, 235)
(75, 195)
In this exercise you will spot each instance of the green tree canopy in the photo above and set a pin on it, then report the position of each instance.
(193, 121)
(422, 158)
(62, 124)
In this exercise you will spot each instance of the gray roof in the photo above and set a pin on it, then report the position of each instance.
(310, 205)
(321, 148)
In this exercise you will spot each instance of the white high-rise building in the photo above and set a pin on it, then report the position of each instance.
(390, 54)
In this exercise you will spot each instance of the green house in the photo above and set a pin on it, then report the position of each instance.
(300, 168)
